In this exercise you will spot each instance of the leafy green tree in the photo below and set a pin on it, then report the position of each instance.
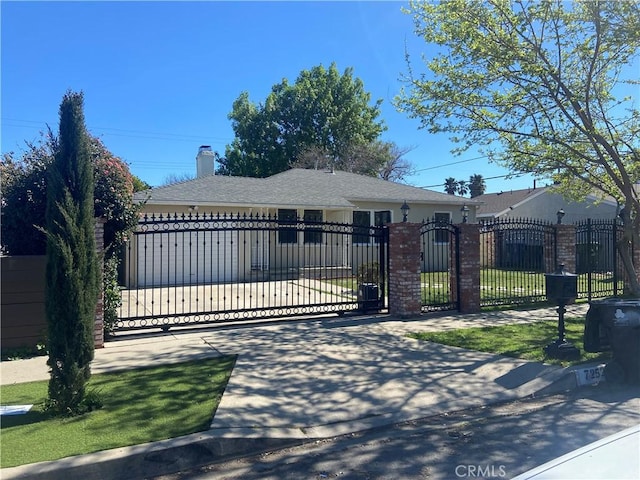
(114, 189)
(24, 195)
(72, 283)
(538, 87)
(138, 184)
(477, 185)
(322, 109)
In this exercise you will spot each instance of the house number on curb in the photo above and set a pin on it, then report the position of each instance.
(590, 376)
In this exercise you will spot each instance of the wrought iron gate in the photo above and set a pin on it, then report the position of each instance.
(439, 252)
(201, 269)
(598, 265)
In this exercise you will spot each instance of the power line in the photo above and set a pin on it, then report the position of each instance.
(124, 132)
(119, 132)
(452, 163)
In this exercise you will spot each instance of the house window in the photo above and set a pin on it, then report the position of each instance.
(442, 234)
(381, 218)
(286, 232)
(312, 231)
(361, 224)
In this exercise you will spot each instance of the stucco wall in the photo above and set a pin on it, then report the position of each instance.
(417, 212)
(546, 205)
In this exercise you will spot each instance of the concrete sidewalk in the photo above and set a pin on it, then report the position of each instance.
(300, 380)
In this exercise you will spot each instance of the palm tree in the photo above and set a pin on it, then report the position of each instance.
(463, 188)
(477, 186)
(451, 186)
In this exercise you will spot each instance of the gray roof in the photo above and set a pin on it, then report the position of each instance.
(295, 187)
(496, 203)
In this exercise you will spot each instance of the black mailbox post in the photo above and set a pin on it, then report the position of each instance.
(561, 287)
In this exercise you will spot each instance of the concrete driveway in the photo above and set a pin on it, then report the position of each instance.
(325, 377)
(275, 298)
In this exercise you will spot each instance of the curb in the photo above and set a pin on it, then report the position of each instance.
(149, 459)
(567, 380)
(198, 449)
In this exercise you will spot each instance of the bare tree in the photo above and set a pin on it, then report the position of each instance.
(177, 178)
(397, 168)
(384, 160)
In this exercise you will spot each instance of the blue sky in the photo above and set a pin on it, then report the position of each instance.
(160, 78)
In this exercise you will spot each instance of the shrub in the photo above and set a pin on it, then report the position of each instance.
(112, 299)
(24, 195)
(369, 273)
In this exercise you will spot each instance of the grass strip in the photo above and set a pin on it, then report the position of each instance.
(139, 406)
(524, 340)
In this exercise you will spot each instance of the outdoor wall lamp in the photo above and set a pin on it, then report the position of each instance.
(560, 214)
(405, 211)
(465, 213)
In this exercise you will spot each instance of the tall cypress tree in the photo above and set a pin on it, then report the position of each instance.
(72, 264)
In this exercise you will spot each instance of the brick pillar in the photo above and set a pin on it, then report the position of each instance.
(98, 326)
(565, 248)
(404, 270)
(466, 274)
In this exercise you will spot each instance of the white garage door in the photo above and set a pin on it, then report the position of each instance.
(186, 258)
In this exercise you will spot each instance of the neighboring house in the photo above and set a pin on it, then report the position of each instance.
(543, 204)
(522, 247)
(308, 195)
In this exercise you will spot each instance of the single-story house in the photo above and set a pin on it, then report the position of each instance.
(327, 196)
(543, 204)
(308, 195)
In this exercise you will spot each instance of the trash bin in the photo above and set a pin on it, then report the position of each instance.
(614, 324)
(596, 332)
(368, 297)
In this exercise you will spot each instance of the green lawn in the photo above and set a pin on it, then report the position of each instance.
(497, 284)
(142, 405)
(524, 341)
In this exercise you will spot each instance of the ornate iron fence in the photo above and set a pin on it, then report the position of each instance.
(199, 269)
(439, 247)
(514, 255)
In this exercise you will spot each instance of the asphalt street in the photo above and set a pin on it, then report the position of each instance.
(499, 441)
